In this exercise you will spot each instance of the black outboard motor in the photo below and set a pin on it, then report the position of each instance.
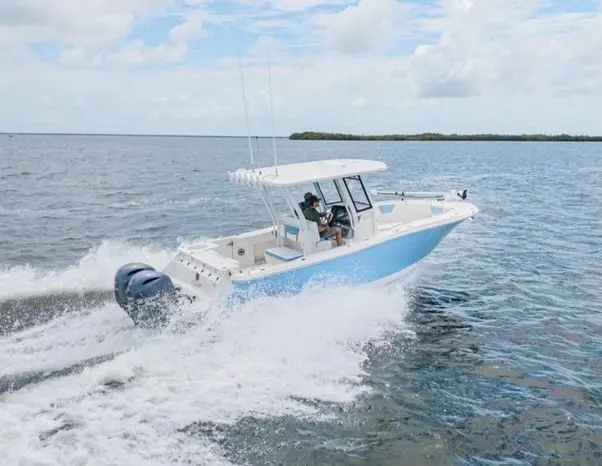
(144, 294)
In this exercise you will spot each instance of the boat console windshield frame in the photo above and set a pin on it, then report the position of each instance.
(328, 192)
(346, 196)
(357, 193)
(348, 192)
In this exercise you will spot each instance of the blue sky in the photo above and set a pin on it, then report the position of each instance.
(367, 66)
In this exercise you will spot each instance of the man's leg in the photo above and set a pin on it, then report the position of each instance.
(332, 233)
(337, 232)
(339, 236)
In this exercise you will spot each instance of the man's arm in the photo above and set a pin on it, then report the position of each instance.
(314, 215)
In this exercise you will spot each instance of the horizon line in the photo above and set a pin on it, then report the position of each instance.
(162, 135)
(358, 135)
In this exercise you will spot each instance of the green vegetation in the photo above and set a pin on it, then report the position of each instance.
(316, 136)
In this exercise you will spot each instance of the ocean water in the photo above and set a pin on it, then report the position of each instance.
(490, 354)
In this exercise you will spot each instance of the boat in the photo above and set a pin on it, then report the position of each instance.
(384, 240)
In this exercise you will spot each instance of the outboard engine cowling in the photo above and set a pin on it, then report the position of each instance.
(122, 278)
(144, 294)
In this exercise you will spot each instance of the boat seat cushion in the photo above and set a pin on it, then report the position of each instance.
(291, 230)
(284, 253)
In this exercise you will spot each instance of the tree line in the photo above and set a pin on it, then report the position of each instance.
(318, 136)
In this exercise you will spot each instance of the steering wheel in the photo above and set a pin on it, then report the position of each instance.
(327, 220)
(340, 214)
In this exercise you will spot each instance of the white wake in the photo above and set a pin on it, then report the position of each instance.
(258, 359)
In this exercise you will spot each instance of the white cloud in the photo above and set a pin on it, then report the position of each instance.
(265, 44)
(374, 66)
(497, 47)
(329, 94)
(73, 55)
(138, 52)
(191, 28)
(369, 26)
(72, 22)
(294, 5)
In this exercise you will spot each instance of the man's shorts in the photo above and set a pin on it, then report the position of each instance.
(329, 232)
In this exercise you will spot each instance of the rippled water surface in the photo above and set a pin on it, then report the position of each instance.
(491, 354)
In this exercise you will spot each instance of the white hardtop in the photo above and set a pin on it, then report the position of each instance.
(296, 174)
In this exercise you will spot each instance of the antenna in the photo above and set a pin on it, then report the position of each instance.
(244, 96)
(272, 110)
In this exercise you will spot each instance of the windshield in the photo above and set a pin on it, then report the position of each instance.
(329, 192)
(358, 193)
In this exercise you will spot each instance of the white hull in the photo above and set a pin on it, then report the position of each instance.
(209, 270)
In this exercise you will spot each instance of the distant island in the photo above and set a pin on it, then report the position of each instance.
(316, 136)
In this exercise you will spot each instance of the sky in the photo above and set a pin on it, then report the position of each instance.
(367, 66)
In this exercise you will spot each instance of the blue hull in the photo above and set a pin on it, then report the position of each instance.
(361, 267)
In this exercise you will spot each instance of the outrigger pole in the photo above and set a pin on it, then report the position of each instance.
(263, 191)
(244, 98)
(272, 109)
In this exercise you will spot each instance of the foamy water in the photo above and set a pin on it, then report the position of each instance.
(95, 271)
(260, 359)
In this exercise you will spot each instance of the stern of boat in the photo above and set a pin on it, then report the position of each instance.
(201, 272)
